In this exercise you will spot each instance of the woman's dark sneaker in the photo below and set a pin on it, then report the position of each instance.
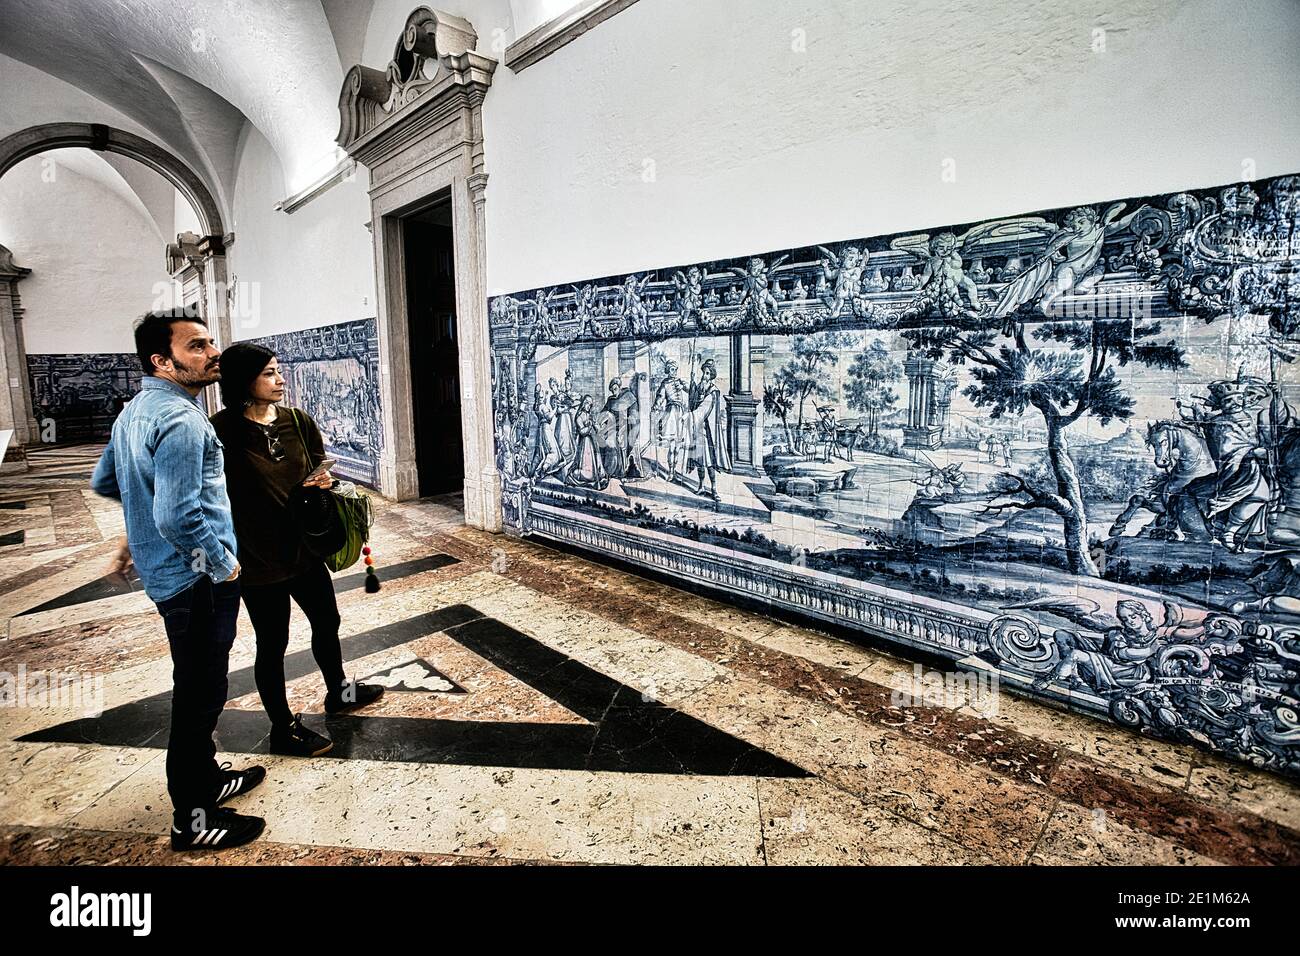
(235, 782)
(299, 740)
(354, 695)
(217, 829)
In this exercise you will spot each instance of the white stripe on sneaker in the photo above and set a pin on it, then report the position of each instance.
(219, 837)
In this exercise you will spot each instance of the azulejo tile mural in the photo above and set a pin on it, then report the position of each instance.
(332, 373)
(76, 396)
(1062, 448)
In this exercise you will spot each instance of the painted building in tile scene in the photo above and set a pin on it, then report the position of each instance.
(1061, 446)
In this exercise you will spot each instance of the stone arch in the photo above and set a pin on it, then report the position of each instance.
(208, 263)
(37, 139)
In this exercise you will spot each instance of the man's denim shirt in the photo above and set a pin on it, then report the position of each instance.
(165, 464)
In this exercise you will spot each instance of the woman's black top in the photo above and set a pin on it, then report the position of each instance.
(259, 483)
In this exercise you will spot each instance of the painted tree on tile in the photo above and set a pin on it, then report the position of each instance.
(778, 401)
(868, 389)
(1063, 384)
(804, 376)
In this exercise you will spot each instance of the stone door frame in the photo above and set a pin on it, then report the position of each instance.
(417, 128)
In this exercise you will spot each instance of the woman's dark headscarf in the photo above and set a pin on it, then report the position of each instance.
(240, 365)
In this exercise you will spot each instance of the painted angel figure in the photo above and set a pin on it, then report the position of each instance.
(1070, 262)
(690, 291)
(756, 298)
(584, 300)
(846, 273)
(631, 307)
(1115, 659)
(544, 325)
(943, 281)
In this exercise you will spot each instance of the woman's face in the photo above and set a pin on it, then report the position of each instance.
(269, 385)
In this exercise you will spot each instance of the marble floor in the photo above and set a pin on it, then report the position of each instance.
(543, 708)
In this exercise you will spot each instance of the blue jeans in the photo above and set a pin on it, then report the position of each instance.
(200, 623)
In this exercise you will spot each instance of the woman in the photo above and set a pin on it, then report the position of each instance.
(269, 450)
(586, 468)
(565, 403)
(547, 451)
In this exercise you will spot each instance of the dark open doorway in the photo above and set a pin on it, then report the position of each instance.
(435, 354)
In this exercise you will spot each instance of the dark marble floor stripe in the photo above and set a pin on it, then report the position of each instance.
(625, 733)
(110, 585)
(12, 538)
(114, 585)
(1235, 838)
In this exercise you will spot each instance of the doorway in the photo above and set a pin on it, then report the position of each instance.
(428, 247)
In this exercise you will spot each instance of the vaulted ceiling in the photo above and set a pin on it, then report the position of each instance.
(194, 72)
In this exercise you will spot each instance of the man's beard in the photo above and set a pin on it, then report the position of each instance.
(207, 375)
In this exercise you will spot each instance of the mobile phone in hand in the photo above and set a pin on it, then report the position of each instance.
(320, 469)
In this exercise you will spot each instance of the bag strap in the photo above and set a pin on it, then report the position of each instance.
(297, 427)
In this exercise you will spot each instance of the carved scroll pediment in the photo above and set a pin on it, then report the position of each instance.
(432, 46)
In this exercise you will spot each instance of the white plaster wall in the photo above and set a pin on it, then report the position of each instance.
(296, 271)
(33, 97)
(759, 143)
(184, 218)
(97, 260)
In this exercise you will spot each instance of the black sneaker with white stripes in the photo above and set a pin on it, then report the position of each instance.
(235, 782)
(217, 829)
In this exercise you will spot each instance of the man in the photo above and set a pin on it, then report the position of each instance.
(709, 449)
(1237, 510)
(827, 430)
(622, 414)
(164, 463)
(674, 417)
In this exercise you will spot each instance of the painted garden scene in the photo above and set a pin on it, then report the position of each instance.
(1060, 447)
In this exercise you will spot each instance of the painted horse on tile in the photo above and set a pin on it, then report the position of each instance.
(1177, 498)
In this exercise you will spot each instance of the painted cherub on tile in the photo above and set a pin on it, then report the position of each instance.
(584, 301)
(690, 291)
(846, 272)
(632, 308)
(756, 299)
(942, 282)
(1117, 656)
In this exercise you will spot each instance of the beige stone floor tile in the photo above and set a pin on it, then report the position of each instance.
(92, 565)
(1078, 836)
(104, 609)
(47, 784)
(568, 816)
(1135, 756)
(809, 822)
(821, 649)
(980, 810)
(1237, 787)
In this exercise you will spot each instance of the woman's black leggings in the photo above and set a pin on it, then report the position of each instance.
(268, 609)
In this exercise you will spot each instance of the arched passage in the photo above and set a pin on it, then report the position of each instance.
(208, 259)
(37, 139)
